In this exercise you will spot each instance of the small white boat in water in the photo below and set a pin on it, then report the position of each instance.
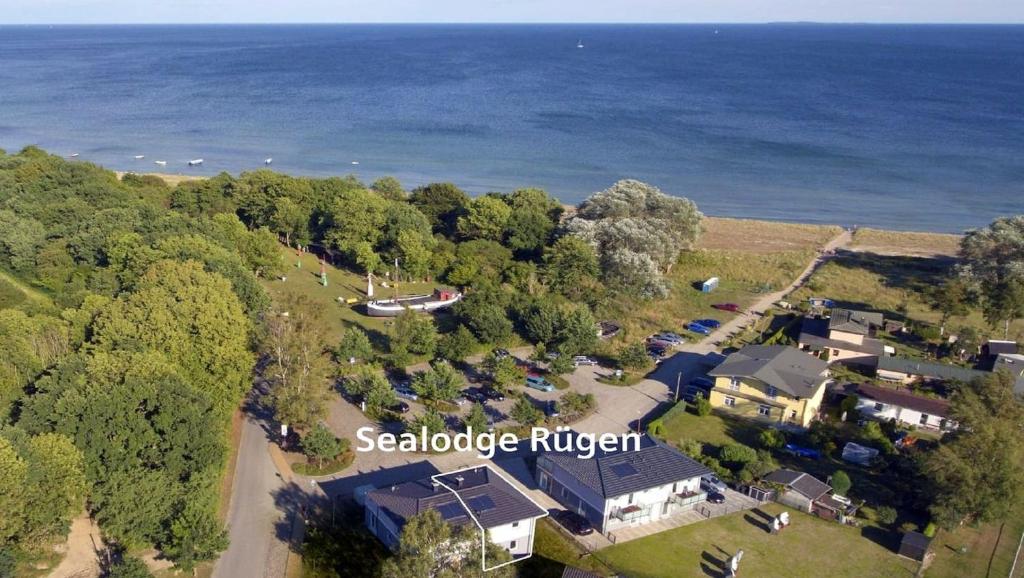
(161, 163)
(268, 161)
(355, 162)
(139, 157)
(73, 155)
(579, 43)
(195, 162)
(440, 299)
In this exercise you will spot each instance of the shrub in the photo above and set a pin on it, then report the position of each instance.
(702, 407)
(656, 427)
(886, 515)
(930, 529)
(690, 447)
(737, 454)
(908, 527)
(841, 482)
(772, 439)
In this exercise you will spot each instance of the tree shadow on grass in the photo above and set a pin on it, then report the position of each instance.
(884, 538)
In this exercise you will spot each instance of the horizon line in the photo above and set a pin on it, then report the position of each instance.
(530, 23)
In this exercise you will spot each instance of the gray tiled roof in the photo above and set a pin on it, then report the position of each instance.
(507, 504)
(928, 405)
(932, 369)
(800, 482)
(814, 333)
(617, 473)
(573, 572)
(786, 368)
(851, 321)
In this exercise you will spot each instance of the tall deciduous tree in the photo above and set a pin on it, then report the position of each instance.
(296, 344)
(571, 266)
(441, 382)
(486, 218)
(442, 203)
(430, 548)
(993, 260)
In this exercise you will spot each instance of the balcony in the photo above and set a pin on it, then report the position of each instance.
(632, 512)
(687, 498)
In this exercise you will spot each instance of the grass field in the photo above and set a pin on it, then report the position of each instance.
(905, 243)
(810, 547)
(990, 550)
(341, 283)
(890, 284)
(763, 237)
(553, 551)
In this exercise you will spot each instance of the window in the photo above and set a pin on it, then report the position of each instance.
(924, 419)
(630, 499)
(764, 410)
(792, 414)
(879, 407)
(515, 524)
(734, 383)
(772, 392)
(512, 545)
(675, 488)
(730, 401)
(564, 493)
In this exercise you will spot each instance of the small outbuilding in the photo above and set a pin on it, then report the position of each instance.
(709, 285)
(915, 546)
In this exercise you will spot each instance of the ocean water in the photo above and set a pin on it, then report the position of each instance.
(906, 127)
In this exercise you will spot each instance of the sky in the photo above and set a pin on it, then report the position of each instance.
(273, 11)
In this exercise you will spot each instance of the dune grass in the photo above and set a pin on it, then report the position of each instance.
(906, 243)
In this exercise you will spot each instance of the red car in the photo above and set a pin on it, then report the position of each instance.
(731, 307)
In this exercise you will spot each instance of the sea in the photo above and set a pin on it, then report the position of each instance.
(893, 126)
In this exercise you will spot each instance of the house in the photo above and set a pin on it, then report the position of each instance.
(478, 496)
(995, 347)
(884, 403)
(621, 488)
(773, 383)
(905, 370)
(846, 336)
(807, 494)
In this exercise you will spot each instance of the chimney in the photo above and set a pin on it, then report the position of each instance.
(434, 484)
(460, 479)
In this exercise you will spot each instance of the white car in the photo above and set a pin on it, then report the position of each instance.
(711, 482)
(583, 360)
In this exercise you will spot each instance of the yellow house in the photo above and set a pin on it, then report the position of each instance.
(771, 383)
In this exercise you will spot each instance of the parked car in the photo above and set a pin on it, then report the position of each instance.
(583, 360)
(660, 343)
(538, 382)
(552, 355)
(493, 394)
(574, 522)
(655, 351)
(730, 307)
(710, 323)
(697, 328)
(406, 393)
(716, 497)
(501, 353)
(460, 401)
(711, 483)
(400, 407)
(475, 395)
(551, 409)
(673, 338)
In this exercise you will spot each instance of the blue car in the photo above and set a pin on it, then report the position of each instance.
(710, 323)
(803, 452)
(698, 328)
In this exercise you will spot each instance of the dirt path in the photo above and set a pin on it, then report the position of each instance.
(81, 559)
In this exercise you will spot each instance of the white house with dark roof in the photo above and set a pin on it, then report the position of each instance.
(476, 496)
(623, 488)
(886, 403)
(845, 336)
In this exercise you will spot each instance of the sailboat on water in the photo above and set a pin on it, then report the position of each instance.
(579, 43)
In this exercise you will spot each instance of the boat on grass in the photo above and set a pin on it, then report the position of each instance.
(439, 299)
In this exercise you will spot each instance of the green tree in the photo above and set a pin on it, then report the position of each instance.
(841, 483)
(414, 332)
(561, 365)
(978, 469)
(571, 266)
(22, 238)
(457, 345)
(505, 373)
(476, 419)
(291, 220)
(952, 299)
(772, 439)
(430, 547)
(541, 321)
(195, 536)
(191, 316)
(578, 332)
(354, 344)
(526, 413)
(389, 188)
(485, 218)
(432, 420)
(634, 357)
(295, 342)
(488, 321)
(356, 218)
(321, 444)
(13, 474)
(55, 486)
(441, 382)
(691, 447)
(128, 567)
(414, 253)
(577, 404)
(702, 407)
(442, 203)
(992, 261)
(380, 397)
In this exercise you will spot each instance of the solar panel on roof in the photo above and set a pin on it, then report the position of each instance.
(450, 510)
(480, 503)
(623, 470)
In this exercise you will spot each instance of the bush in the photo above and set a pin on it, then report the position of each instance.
(908, 527)
(690, 447)
(736, 455)
(656, 427)
(841, 482)
(772, 439)
(930, 530)
(128, 567)
(886, 515)
(702, 407)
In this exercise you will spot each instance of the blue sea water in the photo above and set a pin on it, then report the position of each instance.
(907, 127)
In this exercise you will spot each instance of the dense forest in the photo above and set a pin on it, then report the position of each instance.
(131, 314)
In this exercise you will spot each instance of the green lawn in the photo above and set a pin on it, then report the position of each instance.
(990, 549)
(810, 547)
(714, 429)
(553, 551)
